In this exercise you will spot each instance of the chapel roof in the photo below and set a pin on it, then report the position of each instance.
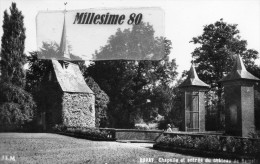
(70, 78)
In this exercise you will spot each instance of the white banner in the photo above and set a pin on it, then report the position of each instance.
(82, 34)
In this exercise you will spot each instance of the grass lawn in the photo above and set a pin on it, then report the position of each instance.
(54, 148)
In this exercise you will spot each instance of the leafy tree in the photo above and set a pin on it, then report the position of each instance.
(51, 50)
(12, 52)
(214, 57)
(101, 101)
(36, 72)
(174, 115)
(134, 86)
(219, 42)
(218, 45)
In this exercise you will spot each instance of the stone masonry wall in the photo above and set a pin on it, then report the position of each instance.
(78, 109)
(202, 113)
(232, 96)
(248, 111)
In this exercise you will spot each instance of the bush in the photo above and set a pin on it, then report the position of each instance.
(256, 147)
(16, 105)
(59, 128)
(91, 133)
(230, 144)
(10, 113)
(165, 141)
(196, 143)
(233, 145)
(248, 147)
(238, 146)
(214, 143)
(188, 142)
(179, 141)
(211, 143)
(87, 133)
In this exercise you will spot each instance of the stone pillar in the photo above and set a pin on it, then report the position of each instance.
(239, 108)
(193, 103)
(239, 100)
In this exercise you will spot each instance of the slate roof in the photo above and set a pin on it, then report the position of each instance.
(193, 80)
(70, 79)
(239, 72)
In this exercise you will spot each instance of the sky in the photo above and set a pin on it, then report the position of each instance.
(183, 19)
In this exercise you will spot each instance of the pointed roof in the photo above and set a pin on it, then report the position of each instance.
(193, 79)
(70, 79)
(64, 43)
(239, 72)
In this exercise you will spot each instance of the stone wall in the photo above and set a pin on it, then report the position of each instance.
(233, 120)
(257, 107)
(239, 107)
(202, 112)
(248, 111)
(78, 109)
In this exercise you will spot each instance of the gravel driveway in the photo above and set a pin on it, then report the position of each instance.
(54, 148)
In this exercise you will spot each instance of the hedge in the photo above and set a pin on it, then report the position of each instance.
(86, 133)
(228, 145)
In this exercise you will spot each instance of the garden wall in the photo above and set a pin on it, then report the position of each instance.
(131, 134)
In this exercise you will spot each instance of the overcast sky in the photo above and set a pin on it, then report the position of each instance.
(183, 19)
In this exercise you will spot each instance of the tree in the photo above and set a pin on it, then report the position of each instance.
(132, 85)
(12, 52)
(36, 72)
(218, 45)
(16, 105)
(101, 101)
(214, 57)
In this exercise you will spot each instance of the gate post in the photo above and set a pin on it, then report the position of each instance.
(239, 100)
(193, 103)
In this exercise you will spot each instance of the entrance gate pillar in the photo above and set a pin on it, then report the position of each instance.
(193, 103)
(239, 100)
